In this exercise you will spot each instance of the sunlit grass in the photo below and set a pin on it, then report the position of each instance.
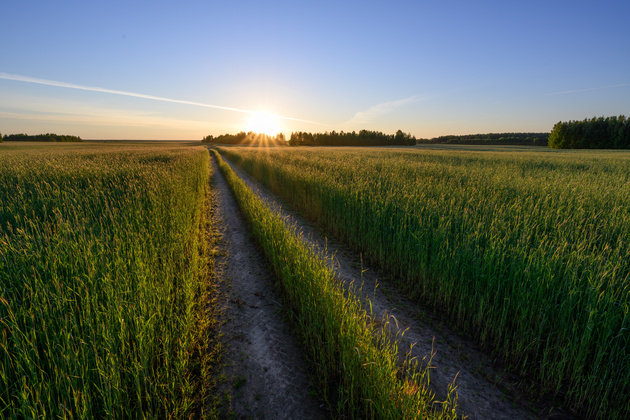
(102, 271)
(355, 363)
(527, 251)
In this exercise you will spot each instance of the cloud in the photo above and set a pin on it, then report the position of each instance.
(364, 117)
(588, 89)
(18, 78)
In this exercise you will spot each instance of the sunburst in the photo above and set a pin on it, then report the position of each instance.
(263, 123)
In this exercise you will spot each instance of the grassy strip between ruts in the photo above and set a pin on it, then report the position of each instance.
(104, 270)
(355, 361)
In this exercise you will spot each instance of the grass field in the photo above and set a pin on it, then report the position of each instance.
(527, 251)
(355, 360)
(103, 274)
(105, 271)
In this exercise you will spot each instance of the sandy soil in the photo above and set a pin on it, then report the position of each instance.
(485, 390)
(266, 374)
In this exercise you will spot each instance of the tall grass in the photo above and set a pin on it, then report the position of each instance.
(102, 271)
(527, 251)
(355, 361)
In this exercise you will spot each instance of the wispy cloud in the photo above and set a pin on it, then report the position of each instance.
(27, 79)
(364, 117)
(588, 89)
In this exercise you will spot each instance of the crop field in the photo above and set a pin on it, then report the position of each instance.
(103, 273)
(346, 347)
(529, 251)
(107, 273)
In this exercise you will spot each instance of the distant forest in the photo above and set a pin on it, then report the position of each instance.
(250, 138)
(333, 138)
(362, 138)
(594, 133)
(508, 139)
(49, 137)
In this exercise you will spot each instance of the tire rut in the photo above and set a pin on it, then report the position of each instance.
(266, 373)
(485, 390)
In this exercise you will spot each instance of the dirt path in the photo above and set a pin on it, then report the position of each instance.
(265, 371)
(485, 390)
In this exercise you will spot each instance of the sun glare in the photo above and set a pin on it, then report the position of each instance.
(263, 123)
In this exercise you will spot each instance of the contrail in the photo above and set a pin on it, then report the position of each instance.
(27, 79)
(587, 89)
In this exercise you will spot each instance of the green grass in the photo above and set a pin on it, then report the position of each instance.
(353, 358)
(104, 269)
(528, 251)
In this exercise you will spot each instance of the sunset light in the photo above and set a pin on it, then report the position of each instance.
(307, 210)
(263, 123)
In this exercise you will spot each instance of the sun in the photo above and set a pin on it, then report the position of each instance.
(263, 123)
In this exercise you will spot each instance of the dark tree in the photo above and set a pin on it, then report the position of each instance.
(594, 133)
(508, 139)
(362, 138)
(247, 139)
(49, 137)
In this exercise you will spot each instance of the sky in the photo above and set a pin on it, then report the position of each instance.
(182, 70)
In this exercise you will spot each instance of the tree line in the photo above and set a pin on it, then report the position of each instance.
(333, 138)
(593, 133)
(249, 138)
(362, 138)
(49, 137)
(508, 139)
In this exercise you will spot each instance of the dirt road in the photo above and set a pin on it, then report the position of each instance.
(265, 371)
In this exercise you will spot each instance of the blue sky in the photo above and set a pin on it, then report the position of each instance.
(185, 69)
